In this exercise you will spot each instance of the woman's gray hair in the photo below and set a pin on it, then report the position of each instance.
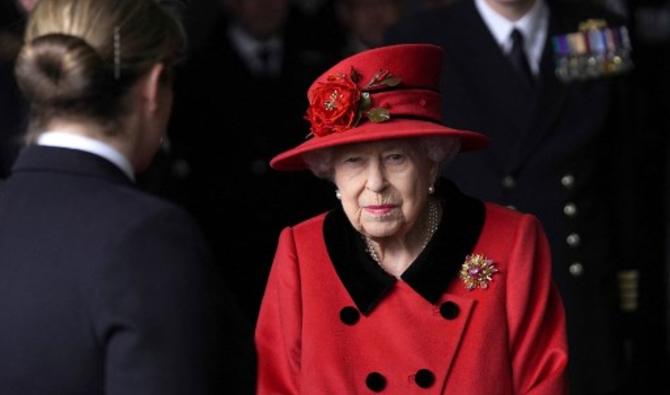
(438, 149)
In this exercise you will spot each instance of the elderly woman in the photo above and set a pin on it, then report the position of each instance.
(410, 287)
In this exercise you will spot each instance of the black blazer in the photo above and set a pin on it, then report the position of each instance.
(101, 286)
(562, 151)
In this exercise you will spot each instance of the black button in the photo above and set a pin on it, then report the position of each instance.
(449, 310)
(349, 315)
(376, 382)
(424, 378)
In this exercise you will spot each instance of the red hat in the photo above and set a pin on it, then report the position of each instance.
(380, 94)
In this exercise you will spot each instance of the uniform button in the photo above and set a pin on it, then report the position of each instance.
(508, 182)
(511, 207)
(568, 180)
(570, 209)
(576, 269)
(449, 310)
(349, 315)
(573, 240)
(424, 378)
(376, 382)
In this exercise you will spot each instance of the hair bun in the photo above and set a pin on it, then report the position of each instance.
(59, 69)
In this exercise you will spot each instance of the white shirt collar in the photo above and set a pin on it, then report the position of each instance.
(62, 139)
(534, 26)
(248, 47)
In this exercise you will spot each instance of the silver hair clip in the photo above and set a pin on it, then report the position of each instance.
(117, 53)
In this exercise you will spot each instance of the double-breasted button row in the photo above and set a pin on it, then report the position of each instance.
(376, 381)
(349, 315)
(423, 378)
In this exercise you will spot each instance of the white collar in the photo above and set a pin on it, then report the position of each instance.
(533, 26)
(63, 139)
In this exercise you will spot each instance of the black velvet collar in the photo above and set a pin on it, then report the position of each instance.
(431, 272)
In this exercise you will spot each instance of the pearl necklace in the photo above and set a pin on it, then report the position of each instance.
(434, 214)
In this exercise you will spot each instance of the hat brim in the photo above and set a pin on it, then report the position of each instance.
(395, 129)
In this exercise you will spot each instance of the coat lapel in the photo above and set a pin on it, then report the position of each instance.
(455, 330)
(432, 271)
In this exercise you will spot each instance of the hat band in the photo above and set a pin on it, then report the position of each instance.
(410, 103)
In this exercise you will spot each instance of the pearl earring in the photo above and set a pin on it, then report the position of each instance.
(431, 190)
(338, 194)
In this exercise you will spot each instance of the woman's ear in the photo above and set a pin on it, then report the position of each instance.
(434, 171)
(150, 88)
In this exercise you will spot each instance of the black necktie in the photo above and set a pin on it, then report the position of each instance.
(518, 57)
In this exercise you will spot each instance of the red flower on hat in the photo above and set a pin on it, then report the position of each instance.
(333, 105)
(338, 104)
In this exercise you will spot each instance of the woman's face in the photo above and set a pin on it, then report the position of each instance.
(384, 186)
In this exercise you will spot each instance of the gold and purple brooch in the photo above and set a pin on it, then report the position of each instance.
(477, 271)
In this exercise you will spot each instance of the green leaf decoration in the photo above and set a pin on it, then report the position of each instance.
(374, 82)
(366, 101)
(359, 115)
(379, 114)
(391, 82)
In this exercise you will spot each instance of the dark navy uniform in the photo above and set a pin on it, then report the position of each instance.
(101, 286)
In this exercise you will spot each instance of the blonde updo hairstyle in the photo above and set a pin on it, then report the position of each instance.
(81, 57)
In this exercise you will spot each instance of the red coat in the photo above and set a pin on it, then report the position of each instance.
(332, 322)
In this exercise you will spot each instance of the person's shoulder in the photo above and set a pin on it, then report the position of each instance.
(310, 225)
(509, 229)
(133, 199)
(145, 233)
(507, 216)
(306, 233)
(125, 208)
